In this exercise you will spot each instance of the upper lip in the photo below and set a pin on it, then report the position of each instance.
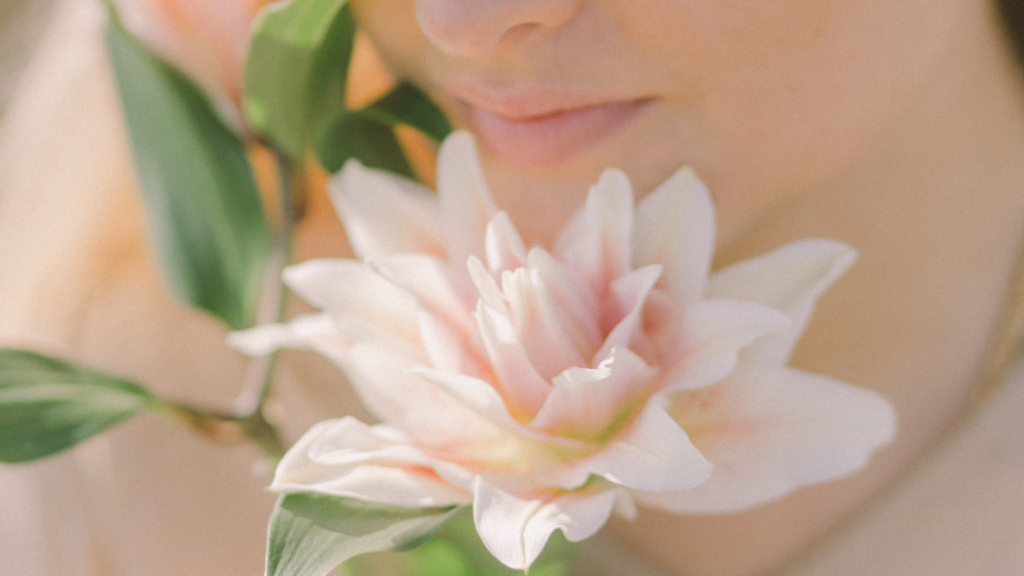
(522, 103)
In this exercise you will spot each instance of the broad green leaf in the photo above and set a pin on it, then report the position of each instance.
(204, 211)
(407, 104)
(297, 69)
(310, 534)
(48, 405)
(356, 134)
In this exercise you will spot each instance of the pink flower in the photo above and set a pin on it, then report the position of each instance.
(549, 388)
(206, 39)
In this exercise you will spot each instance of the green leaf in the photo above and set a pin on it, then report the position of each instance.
(297, 69)
(205, 216)
(49, 405)
(356, 134)
(311, 533)
(367, 134)
(407, 104)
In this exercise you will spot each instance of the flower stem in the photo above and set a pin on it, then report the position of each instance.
(259, 377)
(248, 420)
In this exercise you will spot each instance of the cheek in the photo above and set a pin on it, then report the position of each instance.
(781, 96)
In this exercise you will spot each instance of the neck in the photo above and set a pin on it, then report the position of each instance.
(937, 210)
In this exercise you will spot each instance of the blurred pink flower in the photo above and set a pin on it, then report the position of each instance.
(205, 39)
(549, 388)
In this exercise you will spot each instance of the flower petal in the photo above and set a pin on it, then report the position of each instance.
(653, 454)
(769, 434)
(345, 457)
(582, 315)
(449, 349)
(790, 279)
(464, 198)
(486, 286)
(596, 241)
(585, 403)
(300, 333)
(427, 413)
(385, 214)
(363, 304)
(675, 227)
(515, 530)
(517, 380)
(712, 335)
(477, 394)
(630, 294)
(504, 248)
(428, 279)
(544, 330)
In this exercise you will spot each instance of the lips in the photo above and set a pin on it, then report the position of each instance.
(536, 128)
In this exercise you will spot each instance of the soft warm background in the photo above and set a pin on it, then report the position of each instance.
(77, 280)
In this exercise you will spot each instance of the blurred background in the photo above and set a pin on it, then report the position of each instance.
(21, 25)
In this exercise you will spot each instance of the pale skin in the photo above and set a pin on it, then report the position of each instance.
(894, 125)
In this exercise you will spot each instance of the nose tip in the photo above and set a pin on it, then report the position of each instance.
(474, 28)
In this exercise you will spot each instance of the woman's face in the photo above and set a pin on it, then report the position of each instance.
(767, 99)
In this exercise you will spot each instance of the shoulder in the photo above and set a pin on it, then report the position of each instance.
(960, 510)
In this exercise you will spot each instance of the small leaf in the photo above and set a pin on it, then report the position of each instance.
(297, 69)
(356, 134)
(407, 104)
(205, 216)
(311, 533)
(49, 405)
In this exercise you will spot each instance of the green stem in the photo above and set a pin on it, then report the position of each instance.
(259, 379)
(248, 421)
(227, 428)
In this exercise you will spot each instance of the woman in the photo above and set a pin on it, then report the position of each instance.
(895, 126)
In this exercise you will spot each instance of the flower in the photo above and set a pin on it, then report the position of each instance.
(551, 388)
(205, 39)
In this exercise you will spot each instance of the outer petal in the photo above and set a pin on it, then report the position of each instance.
(466, 204)
(385, 214)
(790, 279)
(515, 530)
(301, 332)
(596, 241)
(675, 227)
(769, 434)
(348, 458)
(363, 304)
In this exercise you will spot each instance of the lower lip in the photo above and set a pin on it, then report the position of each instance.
(552, 138)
